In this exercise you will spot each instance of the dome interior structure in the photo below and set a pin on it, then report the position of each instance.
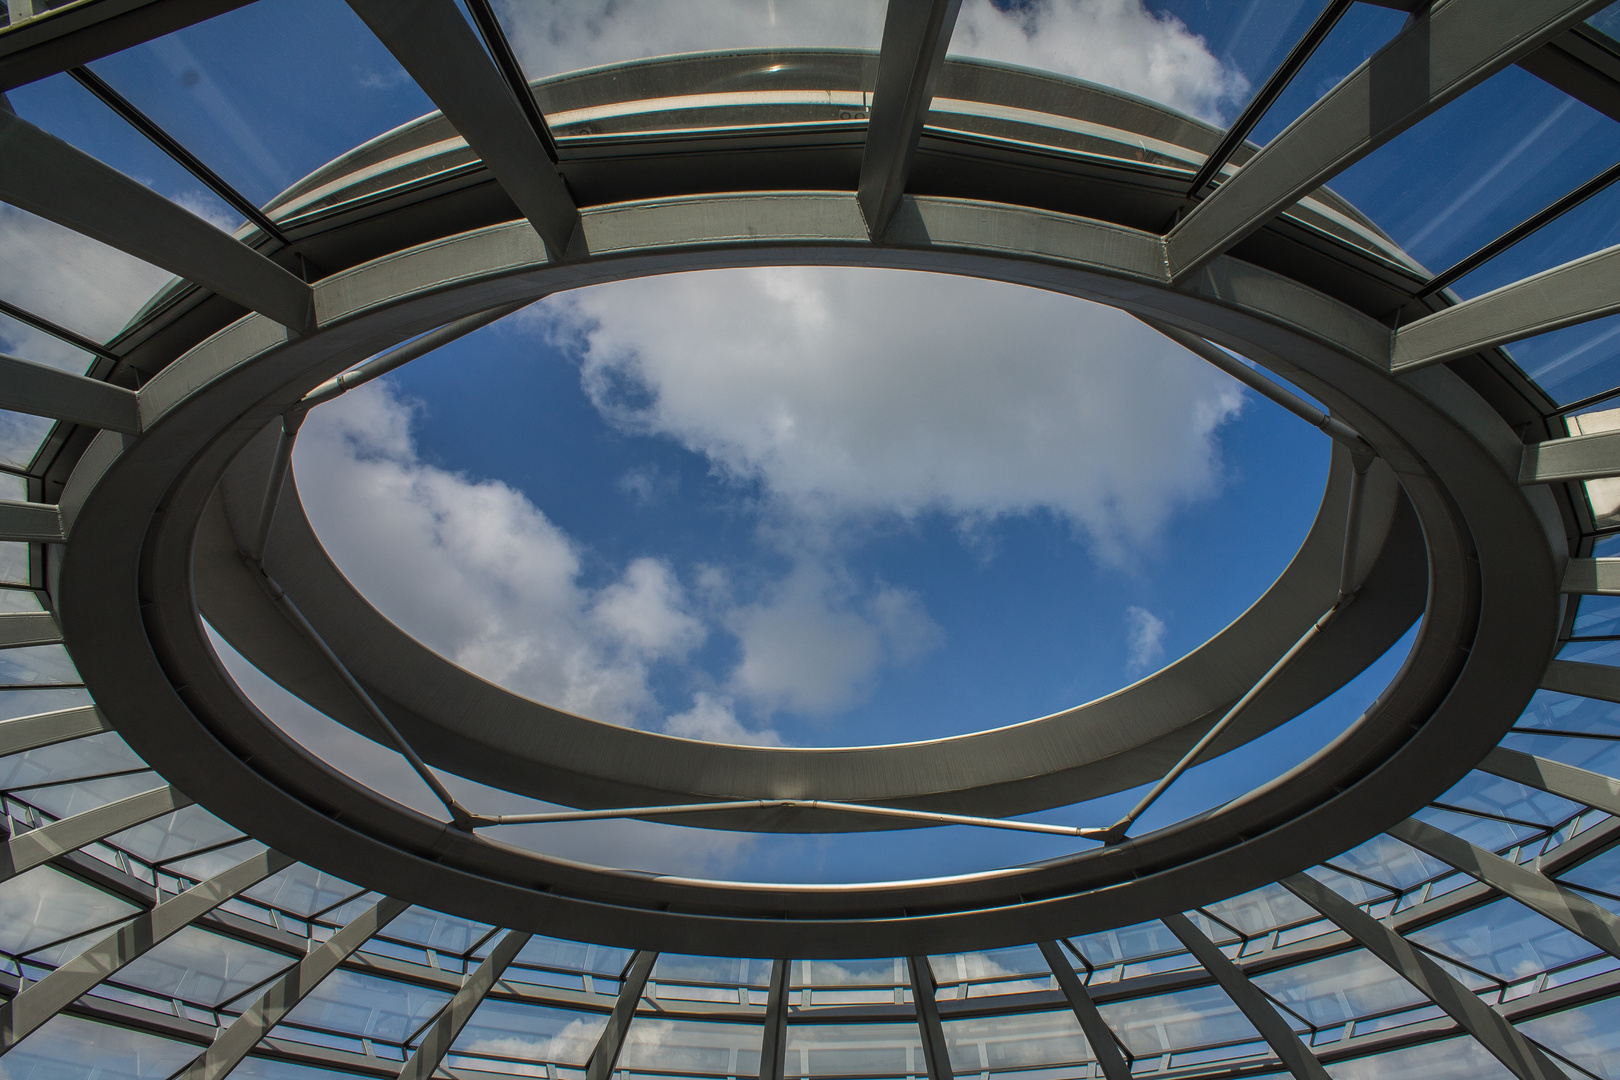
(1391, 224)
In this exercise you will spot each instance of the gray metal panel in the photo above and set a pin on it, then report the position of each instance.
(1583, 680)
(46, 729)
(1261, 1013)
(234, 1043)
(36, 522)
(606, 1054)
(1582, 67)
(27, 850)
(433, 42)
(1568, 781)
(1101, 1040)
(79, 33)
(773, 1041)
(44, 175)
(436, 1043)
(1442, 53)
(1579, 457)
(19, 628)
(936, 1053)
(39, 1002)
(1475, 1017)
(915, 36)
(1569, 909)
(1592, 577)
(1578, 291)
(38, 390)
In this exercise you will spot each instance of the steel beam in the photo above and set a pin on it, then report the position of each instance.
(1578, 291)
(44, 175)
(1578, 457)
(1496, 1034)
(47, 729)
(1583, 65)
(1568, 909)
(1104, 1047)
(1282, 1039)
(1583, 680)
(23, 628)
(27, 387)
(1443, 52)
(1555, 778)
(37, 1003)
(76, 34)
(936, 1052)
(234, 1043)
(606, 1054)
(27, 850)
(433, 42)
(916, 34)
(439, 1038)
(773, 1042)
(1592, 577)
(33, 522)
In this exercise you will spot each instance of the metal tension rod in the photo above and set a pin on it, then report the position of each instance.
(1347, 592)
(1243, 373)
(772, 804)
(293, 418)
(1267, 96)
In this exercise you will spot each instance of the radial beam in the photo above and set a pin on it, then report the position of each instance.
(22, 628)
(1592, 577)
(439, 1038)
(1578, 291)
(1098, 1035)
(1568, 909)
(1555, 778)
(606, 1054)
(1578, 457)
(34, 522)
(433, 42)
(75, 34)
(1443, 52)
(37, 390)
(1523, 1059)
(1282, 1039)
(773, 1042)
(37, 1003)
(27, 850)
(916, 34)
(936, 1052)
(44, 175)
(48, 729)
(1583, 680)
(233, 1044)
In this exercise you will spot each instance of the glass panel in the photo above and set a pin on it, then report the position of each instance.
(1482, 832)
(1504, 939)
(72, 280)
(267, 93)
(851, 982)
(436, 930)
(1454, 1059)
(854, 1050)
(302, 890)
(692, 1048)
(985, 974)
(1597, 617)
(46, 905)
(1598, 755)
(1588, 1036)
(69, 1047)
(21, 436)
(1189, 1020)
(1388, 860)
(41, 665)
(709, 978)
(1348, 986)
(1362, 31)
(67, 110)
(1480, 165)
(364, 1006)
(1489, 794)
(1591, 226)
(174, 834)
(1573, 363)
(519, 1033)
(1262, 910)
(14, 703)
(1143, 948)
(201, 867)
(19, 600)
(1606, 21)
(203, 968)
(91, 756)
(13, 556)
(255, 1068)
(70, 799)
(1013, 1043)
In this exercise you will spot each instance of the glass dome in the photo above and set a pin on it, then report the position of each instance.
(259, 827)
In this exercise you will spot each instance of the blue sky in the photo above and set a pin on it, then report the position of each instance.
(593, 480)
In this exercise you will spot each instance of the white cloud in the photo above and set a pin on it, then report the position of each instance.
(1144, 638)
(714, 719)
(1119, 43)
(846, 392)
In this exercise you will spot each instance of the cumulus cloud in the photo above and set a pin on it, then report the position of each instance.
(479, 573)
(847, 391)
(1144, 638)
(1118, 43)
